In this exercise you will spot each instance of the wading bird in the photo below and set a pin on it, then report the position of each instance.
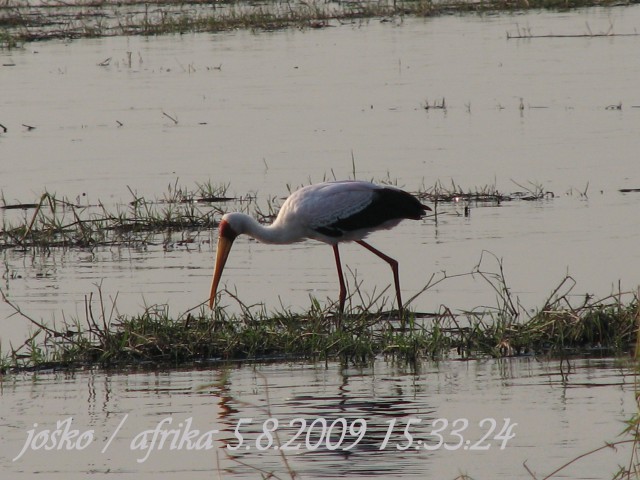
(331, 212)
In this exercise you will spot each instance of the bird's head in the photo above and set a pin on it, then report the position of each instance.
(227, 235)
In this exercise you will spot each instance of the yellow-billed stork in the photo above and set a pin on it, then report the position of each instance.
(330, 212)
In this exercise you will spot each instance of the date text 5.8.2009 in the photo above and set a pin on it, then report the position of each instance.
(401, 434)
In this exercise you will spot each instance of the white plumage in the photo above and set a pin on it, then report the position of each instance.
(330, 212)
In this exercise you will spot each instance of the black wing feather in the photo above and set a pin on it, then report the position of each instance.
(387, 204)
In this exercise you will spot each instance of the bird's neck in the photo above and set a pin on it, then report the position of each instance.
(245, 224)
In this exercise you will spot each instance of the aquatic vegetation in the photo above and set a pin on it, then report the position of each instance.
(60, 222)
(26, 21)
(157, 337)
(561, 326)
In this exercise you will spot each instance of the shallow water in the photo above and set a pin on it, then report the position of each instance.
(553, 419)
(263, 111)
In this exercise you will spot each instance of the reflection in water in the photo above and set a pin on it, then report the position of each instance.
(397, 420)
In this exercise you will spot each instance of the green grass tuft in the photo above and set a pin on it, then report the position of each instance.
(157, 338)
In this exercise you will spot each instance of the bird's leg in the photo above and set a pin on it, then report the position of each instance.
(343, 289)
(394, 268)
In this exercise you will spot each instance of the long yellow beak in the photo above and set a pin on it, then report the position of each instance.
(224, 247)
